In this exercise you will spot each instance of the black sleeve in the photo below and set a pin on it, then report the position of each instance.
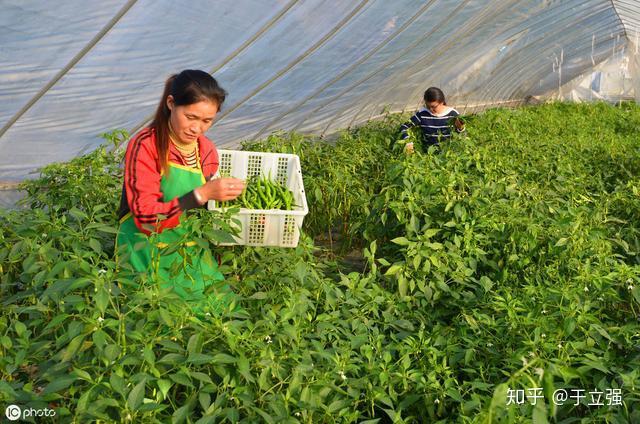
(189, 201)
(414, 122)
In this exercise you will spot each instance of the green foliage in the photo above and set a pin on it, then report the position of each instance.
(507, 260)
(340, 176)
(83, 182)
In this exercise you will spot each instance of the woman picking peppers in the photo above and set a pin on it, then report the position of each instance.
(169, 167)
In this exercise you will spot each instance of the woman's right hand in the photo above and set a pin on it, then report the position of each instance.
(221, 189)
(458, 123)
(408, 148)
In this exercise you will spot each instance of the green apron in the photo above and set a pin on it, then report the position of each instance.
(188, 270)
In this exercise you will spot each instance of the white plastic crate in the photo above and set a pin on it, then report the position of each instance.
(267, 227)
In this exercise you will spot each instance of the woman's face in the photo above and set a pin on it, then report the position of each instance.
(191, 121)
(435, 107)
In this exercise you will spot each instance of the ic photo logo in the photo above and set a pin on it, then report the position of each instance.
(13, 412)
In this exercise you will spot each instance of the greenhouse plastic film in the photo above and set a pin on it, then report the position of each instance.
(314, 65)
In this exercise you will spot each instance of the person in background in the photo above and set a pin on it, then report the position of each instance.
(169, 167)
(434, 120)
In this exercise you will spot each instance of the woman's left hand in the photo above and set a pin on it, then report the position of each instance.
(221, 189)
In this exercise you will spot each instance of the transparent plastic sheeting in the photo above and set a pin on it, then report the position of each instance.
(72, 70)
(610, 81)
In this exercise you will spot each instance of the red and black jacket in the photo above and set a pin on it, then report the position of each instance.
(141, 194)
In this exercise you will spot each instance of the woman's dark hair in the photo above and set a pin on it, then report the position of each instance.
(187, 87)
(434, 94)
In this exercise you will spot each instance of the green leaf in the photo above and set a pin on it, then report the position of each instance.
(593, 363)
(244, 369)
(134, 400)
(486, 283)
(233, 415)
(101, 299)
(561, 242)
(6, 342)
(207, 419)
(569, 326)
(416, 262)
(498, 398)
(602, 332)
(435, 246)
(111, 352)
(382, 397)
(402, 285)
(7, 390)
(431, 232)
(108, 229)
(95, 245)
(82, 374)
(171, 358)
(205, 400)
(151, 406)
(539, 414)
(202, 377)
(181, 379)
(454, 394)
(459, 211)
(220, 236)
(181, 414)
(195, 343)
(401, 241)
(337, 405)
(635, 291)
(200, 358)
(164, 386)
(57, 320)
(393, 270)
(223, 358)
(16, 250)
(117, 384)
(83, 402)
(149, 356)
(20, 328)
(77, 214)
(99, 338)
(383, 262)
(266, 417)
(72, 348)
(166, 317)
(58, 385)
(263, 380)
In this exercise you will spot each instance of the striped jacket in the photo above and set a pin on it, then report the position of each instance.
(434, 127)
(141, 194)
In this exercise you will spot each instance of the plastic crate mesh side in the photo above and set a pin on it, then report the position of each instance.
(289, 231)
(298, 193)
(225, 164)
(254, 165)
(256, 229)
(281, 171)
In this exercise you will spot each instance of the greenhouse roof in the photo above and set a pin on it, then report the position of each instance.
(75, 69)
